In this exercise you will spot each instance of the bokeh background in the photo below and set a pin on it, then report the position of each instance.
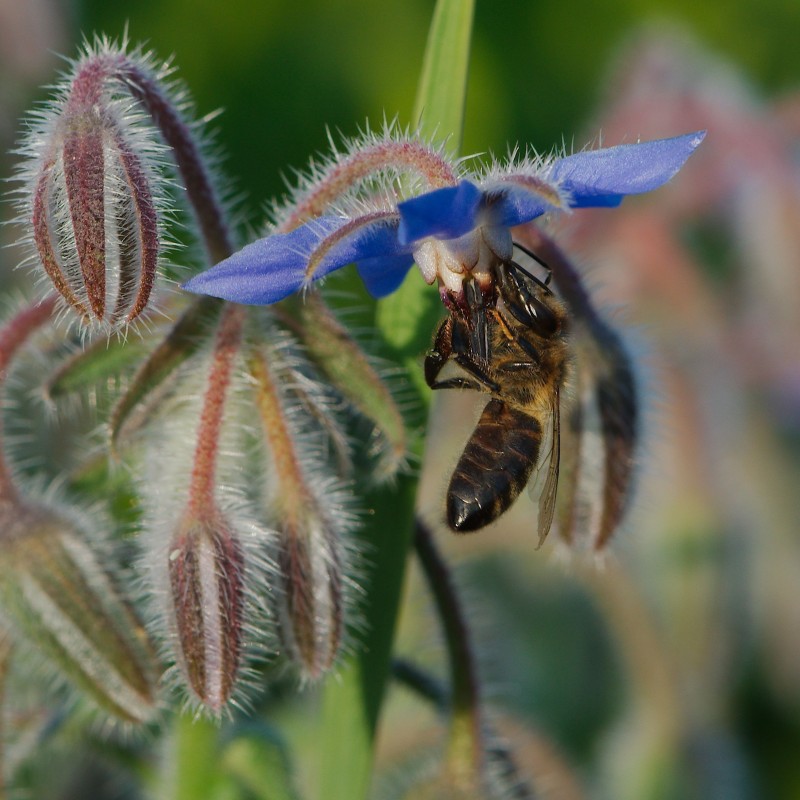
(673, 671)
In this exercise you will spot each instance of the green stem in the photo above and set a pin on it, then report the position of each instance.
(405, 322)
(465, 748)
(353, 698)
(194, 766)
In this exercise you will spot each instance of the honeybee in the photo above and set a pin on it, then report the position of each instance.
(509, 338)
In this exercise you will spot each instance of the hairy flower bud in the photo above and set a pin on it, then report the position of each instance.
(91, 194)
(312, 613)
(206, 575)
(56, 591)
(59, 596)
(308, 510)
(601, 428)
(203, 548)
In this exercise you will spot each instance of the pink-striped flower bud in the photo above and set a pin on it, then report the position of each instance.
(204, 550)
(309, 511)
(92, 193)
(312, 602)
(206, 578)
(59, 596)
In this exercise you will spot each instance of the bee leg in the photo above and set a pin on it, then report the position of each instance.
(523, 304)
(439, 356)
(482, 382)
(473, 368)
(532, 255)
(452, 342)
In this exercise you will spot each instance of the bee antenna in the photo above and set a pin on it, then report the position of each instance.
(538, 260)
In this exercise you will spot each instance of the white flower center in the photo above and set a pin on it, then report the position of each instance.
(452, 261)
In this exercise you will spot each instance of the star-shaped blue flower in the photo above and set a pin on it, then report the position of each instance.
(449, 232)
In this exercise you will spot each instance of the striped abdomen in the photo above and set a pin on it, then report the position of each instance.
(494, 467)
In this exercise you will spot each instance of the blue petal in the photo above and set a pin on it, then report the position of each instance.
(274, 267)
(604, 177)
(374, 238)
(266, 270)
(444, 213)
(511, 205)
(383, 275)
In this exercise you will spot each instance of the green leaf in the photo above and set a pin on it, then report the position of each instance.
(259, 763)
(100, 361)
(442, 88)
(406, 321)
(194, 767)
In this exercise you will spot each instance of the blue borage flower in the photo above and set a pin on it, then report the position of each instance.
(451, 232)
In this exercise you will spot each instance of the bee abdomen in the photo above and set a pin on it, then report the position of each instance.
(494, 467)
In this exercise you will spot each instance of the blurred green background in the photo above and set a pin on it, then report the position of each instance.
(285, 71)
(717, 568)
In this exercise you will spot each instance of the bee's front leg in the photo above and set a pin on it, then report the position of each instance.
(442, 352)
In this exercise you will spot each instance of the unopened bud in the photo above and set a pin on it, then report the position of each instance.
(206, 576)
(58, 596)
(91, 195)
(312, 605)
(600, 433)
(309, 512)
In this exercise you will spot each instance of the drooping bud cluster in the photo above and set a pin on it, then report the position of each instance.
(202, 549)
(248, 522)
(58, 593)
(93, 196)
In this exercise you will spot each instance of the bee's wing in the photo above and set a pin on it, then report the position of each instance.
(550, 452)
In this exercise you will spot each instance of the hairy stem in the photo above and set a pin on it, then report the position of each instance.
(189, 159)
(204, 469)
(13, 335)
(414, 157)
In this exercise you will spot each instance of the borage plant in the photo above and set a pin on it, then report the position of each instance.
(249, 436)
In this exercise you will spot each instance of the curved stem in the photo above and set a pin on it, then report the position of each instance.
(465, 750)
(87, 87)
(204, 465)
(178, 135)
(408, 155)
(13, 335)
